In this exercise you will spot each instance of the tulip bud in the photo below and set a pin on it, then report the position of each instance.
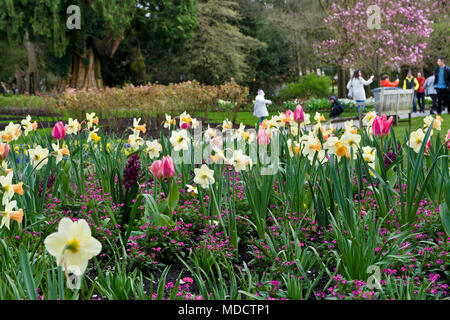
(4, 149)
(156, 169)
(168, 167)
(381, 126)
(262, 138)
(299, 115)
(59, 131)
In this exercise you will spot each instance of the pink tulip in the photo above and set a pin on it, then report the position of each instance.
(168, 167)
(59, 131)
(288, 113)
(185, 126)
(157, 169)
(216, 142)
(381, 126)
(262, 137)
(448, 139)
(299, 116)
(4, 149)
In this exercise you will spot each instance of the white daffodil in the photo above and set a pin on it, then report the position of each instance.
(179, 140)
(436, 124)
(8, 213)
(73, 126)
(319, 117)
(192, 189)
(353, 140)
(369, 154)
(72, 245)
(204, 176)
(335, 146)
(153, 149)
(60, 152)
(135, 141)
(137, 127)
(169, 121)
(369, 118)
(38, 157)
(8, 190)
(349, 127)
(240, 161)
(195, 123)
(416, 140)
(210, 133)
(11, 132)
(28, 125)
(219, 155)
(93, 136)
(91, 120)
(227, 125)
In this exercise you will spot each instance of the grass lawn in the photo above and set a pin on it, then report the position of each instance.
(417, 123)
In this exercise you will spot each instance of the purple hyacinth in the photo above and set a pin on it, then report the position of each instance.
(391, 155)
(131, 172)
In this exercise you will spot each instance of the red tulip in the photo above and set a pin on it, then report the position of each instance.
(381, 126)
(59, 131)
(299, 116)
(168, 167)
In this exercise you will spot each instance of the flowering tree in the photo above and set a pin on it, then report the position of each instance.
(399, 39)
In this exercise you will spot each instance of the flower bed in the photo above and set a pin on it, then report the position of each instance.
(225, 213)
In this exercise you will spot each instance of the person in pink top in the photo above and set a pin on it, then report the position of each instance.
(421, 91)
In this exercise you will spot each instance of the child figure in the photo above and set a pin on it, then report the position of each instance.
(260, 109)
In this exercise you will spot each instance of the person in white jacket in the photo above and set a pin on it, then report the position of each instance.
(260, 109)
(356, 88)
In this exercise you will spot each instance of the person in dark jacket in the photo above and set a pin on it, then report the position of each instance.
(336, 107)
(442, 85)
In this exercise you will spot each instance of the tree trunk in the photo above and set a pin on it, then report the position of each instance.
(84, 73)
(85, 69)
(137, 63)
(32, 77)
(20, 81)
(342, 89)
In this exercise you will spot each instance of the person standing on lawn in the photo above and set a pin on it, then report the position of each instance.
(356, 88)
(421, 92)
(260, 109)
(411, 83)
(442, 85)
(336, 107)
(431, 92)
(385, 82)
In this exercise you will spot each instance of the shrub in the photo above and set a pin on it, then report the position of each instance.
(307, 86)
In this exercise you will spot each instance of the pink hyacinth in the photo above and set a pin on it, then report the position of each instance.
(59, 131)
(299, 115)
(168, 167)
(381, 126)
(262, 137)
